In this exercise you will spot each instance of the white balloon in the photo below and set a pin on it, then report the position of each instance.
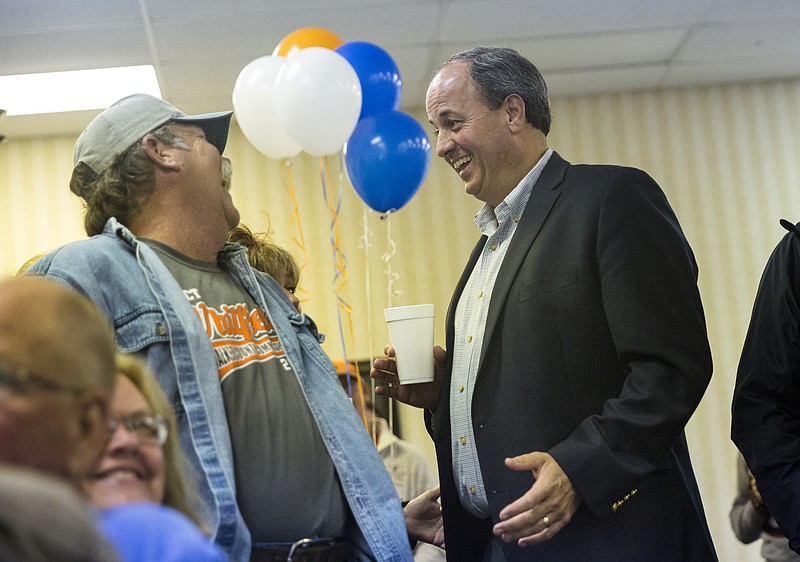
(318, 99)
(254, 108)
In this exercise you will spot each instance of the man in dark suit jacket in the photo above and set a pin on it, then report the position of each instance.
(577, 343)
(765, 412)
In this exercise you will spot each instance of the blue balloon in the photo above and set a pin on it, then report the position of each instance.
(387, 157)
(381, 85)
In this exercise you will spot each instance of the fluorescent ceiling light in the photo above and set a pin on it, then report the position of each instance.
(74, 90)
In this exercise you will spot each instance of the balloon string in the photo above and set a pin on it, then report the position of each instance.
(386, 258)
(339, 281)
(391, 292)
(365, 243)
(299, 239)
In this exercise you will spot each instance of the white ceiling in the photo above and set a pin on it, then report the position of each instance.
(581, 46)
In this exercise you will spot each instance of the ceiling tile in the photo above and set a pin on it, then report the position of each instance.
(258, 33)
(308, 9)
(73, 50)
(587, 51)
(24, 16)
(743, 39)
(538, 18)
(747, 10)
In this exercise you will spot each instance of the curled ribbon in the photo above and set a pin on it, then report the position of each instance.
(339, 258)
(299, 239)
(386, 258)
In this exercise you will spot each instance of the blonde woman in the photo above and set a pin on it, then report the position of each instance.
(144, 462)
(141, 485)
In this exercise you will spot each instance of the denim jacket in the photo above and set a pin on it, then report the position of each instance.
(153, 318)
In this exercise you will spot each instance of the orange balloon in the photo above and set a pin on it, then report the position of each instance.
(306, 37)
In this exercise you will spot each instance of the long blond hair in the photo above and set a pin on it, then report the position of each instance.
(179, 490)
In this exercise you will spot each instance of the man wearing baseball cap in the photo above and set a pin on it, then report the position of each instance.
(279, 452)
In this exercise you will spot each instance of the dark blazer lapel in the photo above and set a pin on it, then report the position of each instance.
(542, 199)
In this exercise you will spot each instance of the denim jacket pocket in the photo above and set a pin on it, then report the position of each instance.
(141, 328)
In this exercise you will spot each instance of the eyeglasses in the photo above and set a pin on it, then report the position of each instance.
(149, 429)
(23, 382)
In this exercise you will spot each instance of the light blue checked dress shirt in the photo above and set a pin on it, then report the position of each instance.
(498, 224)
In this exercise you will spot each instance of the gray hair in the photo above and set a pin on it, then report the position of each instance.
(500, 72)
(120, 190)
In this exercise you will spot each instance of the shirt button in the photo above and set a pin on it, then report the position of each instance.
(161, 330)
(493, 247)
(515, 218)
(463, 440)
(469, 339)
(480, 294)
(472, 489)
(461, 388)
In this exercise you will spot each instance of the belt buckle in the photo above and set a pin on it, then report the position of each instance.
(301, 544)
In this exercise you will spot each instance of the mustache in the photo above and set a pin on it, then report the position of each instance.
(227, 173)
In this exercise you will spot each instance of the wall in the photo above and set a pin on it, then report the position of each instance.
(725, 156)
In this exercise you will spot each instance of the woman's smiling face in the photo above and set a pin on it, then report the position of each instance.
(132, 468)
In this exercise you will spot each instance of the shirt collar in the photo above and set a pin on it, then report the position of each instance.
(513, 205)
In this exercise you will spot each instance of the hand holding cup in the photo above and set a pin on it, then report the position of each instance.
(411, 377)
(420, 395)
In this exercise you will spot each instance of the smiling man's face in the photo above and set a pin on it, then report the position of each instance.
(471, 137)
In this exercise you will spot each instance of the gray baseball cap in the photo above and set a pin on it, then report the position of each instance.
(120, 126)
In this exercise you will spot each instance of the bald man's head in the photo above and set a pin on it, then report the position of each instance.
(56, 377)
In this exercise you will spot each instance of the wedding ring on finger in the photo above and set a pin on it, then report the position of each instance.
(546, 521)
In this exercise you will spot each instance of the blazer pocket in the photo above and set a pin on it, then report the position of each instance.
(549, 283)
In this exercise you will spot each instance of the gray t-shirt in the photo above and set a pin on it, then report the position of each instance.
(287, 486)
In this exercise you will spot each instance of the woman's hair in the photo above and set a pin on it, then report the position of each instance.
(27, 265)
(120, 190)
(499, 72)
(179, 490)
(265, 256)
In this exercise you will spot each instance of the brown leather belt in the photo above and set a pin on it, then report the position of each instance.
(304, 551)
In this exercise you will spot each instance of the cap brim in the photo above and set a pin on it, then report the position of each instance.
(214, 125)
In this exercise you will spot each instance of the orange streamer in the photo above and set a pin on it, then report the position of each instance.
(340, 280)
(299, 239)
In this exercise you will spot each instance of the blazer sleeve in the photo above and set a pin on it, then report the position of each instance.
(647, 279)
(766, 401)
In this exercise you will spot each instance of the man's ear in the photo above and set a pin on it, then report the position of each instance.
(162, 155)
(515, 112)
